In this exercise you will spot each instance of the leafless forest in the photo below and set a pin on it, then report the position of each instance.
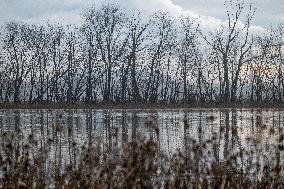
(117, 56)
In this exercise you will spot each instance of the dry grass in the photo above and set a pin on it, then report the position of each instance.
(136, 164)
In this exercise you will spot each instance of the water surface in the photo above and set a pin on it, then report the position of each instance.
(63, 132)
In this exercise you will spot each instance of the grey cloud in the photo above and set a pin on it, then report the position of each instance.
(68, 11)
(268, 11)
(37, 9)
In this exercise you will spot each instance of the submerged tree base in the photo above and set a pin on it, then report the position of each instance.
(133, 105)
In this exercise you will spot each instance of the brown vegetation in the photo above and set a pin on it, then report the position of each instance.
(136, 164)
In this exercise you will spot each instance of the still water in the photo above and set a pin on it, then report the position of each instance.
(63, 132)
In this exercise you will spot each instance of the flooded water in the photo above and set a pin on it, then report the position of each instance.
(63, 132)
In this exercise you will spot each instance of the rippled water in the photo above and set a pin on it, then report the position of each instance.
(63, 132)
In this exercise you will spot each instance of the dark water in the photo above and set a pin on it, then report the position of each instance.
(63, 132)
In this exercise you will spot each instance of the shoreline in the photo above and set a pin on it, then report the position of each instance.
(137, 106)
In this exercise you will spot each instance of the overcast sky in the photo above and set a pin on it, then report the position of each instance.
(68, 11)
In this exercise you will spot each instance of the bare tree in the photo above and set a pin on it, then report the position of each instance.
(188, 54)
(232, 45)
(108, 23)
(16, 52)
(161, 47)
(139, 35)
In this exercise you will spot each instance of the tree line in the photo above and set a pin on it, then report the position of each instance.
(117, 56)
